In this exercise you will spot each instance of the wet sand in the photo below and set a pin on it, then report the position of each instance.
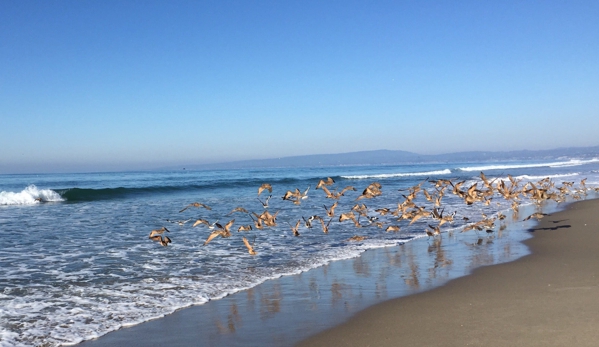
(548, 298)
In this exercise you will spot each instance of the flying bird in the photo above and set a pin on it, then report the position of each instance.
(238, 209)
(394, 228)
(180, 222)
(244, 228)
(329, 181)
(295, 228)
(325, 227)
(200, 221)
(373, 190)
(249, 247)
(196, 204)
(382, 211)
(265, 202)
(221, 231)
(163, 240)
(536, 215)
(308, 222)
(159, 231)
(331, 210)
(264, 186)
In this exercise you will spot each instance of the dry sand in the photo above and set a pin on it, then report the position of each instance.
(548, 298)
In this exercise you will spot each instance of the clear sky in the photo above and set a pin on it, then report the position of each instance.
(124, 85)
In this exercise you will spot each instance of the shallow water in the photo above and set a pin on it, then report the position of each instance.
(81, 265)
(283, 311)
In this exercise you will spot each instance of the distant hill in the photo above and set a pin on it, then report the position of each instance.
(570, 152)
(390, 157)
(353, 158)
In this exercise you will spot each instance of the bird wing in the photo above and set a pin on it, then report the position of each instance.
(212, 236)
(249, 247)
(228, 225)
(200, 221)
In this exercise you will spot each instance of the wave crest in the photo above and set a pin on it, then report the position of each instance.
(530, 178)
(572, 162)
(403, 174)
(29, 196)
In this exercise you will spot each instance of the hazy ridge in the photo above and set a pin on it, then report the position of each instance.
(390, 157)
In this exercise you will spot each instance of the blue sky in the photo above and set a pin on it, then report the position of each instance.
(125, 85)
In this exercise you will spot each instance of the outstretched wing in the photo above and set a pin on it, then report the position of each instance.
(249, 247)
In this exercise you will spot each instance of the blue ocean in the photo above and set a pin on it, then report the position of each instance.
(77, 261)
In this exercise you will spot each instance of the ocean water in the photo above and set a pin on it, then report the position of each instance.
(79, 264)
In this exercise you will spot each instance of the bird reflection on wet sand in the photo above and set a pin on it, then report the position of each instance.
(270, 303)
(440, 260)
(361, 267)
(412, 280)
(345, 287)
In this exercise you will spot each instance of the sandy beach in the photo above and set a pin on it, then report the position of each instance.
(548, 298)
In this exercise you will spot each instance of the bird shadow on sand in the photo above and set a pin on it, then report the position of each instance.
(554, 228)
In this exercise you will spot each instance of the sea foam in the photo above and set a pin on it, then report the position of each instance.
(29, 196)
(531, 178)
(572, 162)
(402, 174)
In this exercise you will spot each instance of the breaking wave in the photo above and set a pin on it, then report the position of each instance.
(403, 174)
(530, 178)
(572, 162)
(29, 196)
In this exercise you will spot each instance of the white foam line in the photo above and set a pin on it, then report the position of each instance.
(527, 177)
(120, 306)
(573, 162)
(404, 174)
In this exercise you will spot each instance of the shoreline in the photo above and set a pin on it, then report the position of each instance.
(287, 310)
(547, 298)
(105, 282)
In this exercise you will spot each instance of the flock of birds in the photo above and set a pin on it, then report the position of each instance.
(409, 209)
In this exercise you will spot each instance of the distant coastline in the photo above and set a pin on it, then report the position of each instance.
(359, 158)
(393, 157)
